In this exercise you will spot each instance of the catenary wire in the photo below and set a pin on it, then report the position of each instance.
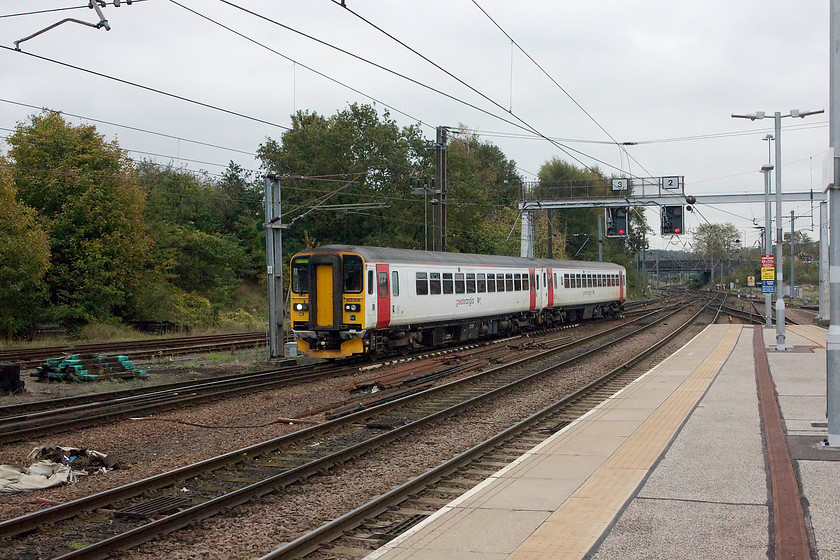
(50, 10)
(266, 47)
(149, 88)
(550, 77)
(525, 125)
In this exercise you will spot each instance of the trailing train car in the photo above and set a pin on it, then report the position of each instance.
(347, 300)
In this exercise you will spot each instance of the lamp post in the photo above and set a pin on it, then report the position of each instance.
(780, 301)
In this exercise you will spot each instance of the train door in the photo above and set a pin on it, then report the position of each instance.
(549, 278)
(324, 291)
(383, 297)
(532, 289)
(620, 286)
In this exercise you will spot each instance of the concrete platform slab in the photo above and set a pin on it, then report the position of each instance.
(668, 529)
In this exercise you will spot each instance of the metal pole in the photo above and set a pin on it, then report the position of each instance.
(792, 259)
(600, 239)
(440, 172)
(824, 315)
(274, 265)
(768, 244)
(780, 299)
(832, 338)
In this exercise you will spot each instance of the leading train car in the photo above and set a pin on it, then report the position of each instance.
(350, 300)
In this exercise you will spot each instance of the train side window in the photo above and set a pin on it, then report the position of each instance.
(471, 283)
(395, 283)
(491, 282)
(482, 283)
(566, 281)
(545, 282)
(525, 282)
(370, 281)
(517, 282)
(434, 283)
(300, 275)
(555, 279)
(579, 281)
(460, 287)
(509, 282)
(353, 270)
(448, 285)
(500, 282)
(422, 284)
(383, 284)
(535, 281)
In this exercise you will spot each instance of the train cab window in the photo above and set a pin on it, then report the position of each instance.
(395, 283)
(460, 287)
(491, 283)
(509, 282)
(448, 285)
(300, 275)
(481, 279)
(422, 284)
(353, 270)
(471, 283)
(370, 281)
(434, 283)
(517, 282)
(383, 284)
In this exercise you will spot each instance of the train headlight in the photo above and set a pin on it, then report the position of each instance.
(352, 307)
(301, 307)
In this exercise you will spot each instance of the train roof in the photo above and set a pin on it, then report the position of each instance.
(387, 254)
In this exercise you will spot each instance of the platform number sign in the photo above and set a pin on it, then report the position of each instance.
(620, 184)
(670, 183)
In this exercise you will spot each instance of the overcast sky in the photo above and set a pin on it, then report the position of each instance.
(663, 73)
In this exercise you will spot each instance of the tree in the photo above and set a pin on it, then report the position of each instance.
(715, 243)
(351, 157)
(203, 231)
(482, 186)
(86, 193)
(24, 259)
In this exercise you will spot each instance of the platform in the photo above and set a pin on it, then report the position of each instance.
(676, 465)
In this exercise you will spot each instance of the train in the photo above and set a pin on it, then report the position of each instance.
(350, 300)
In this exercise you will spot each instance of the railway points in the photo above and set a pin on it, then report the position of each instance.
(672, 466)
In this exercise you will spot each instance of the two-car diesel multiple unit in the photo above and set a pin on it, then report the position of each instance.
(347, 300)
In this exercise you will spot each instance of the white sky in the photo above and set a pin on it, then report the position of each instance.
(647, 71)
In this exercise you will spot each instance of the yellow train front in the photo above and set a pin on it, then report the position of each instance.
(327, 303)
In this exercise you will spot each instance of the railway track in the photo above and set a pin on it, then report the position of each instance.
(376, 522)
(137, 349)
(129, 513)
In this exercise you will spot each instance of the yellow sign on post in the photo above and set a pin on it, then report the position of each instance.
(768, 273)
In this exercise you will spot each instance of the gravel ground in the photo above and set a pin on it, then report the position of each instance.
(163, 442)
(255, 529)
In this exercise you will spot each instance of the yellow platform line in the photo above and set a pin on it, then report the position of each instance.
(574, 528)
(814, 334)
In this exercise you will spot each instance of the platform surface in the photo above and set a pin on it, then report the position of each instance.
(673, 466)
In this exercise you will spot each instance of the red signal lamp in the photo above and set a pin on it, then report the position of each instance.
(676, 230)
(621, 232)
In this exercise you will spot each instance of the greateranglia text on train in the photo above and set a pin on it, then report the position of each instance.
(348, 300)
